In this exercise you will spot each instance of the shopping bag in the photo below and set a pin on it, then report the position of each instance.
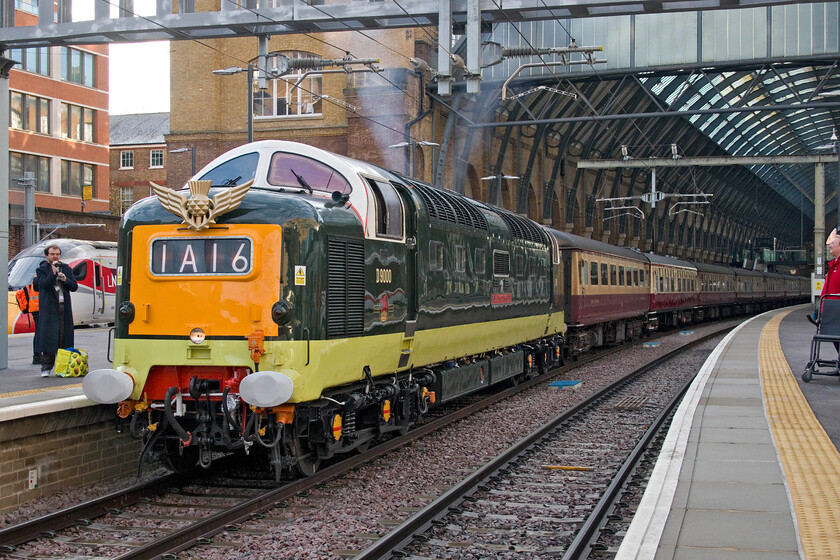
(71, 362)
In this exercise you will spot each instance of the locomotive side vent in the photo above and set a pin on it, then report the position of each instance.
(346, 289)
(449, 207)
(522, 228)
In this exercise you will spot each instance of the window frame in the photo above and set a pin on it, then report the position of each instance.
(126, 155)
(156, 152)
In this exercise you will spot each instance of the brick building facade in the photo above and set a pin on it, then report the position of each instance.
(138, 155)
(58, 131)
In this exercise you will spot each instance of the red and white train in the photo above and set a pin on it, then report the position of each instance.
(94, 264)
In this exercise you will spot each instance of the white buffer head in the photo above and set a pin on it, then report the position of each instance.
(266, 388)
(107, 386)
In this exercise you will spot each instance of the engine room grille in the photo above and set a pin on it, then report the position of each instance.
(450, 207)
(522, 228)
(346, 288)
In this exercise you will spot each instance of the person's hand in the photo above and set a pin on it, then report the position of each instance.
(61, 276)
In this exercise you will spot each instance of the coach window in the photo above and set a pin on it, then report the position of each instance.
(642, 277)
(629, 274)
(620, 275)
(613, 274)
(435, 255)
(605, 275)
(593, 273)
(635, 276)
(582, 271)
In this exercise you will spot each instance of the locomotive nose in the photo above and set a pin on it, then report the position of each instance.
(107, 386)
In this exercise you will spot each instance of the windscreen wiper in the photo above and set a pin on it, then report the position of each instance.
(301, 180)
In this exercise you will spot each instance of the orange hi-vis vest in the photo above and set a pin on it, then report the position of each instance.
(27, 299)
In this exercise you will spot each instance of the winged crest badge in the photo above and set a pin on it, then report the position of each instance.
(198, 210)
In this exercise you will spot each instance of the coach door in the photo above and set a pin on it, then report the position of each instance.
(98, 291)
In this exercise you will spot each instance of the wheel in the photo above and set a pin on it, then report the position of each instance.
(807, 376)
(308, 462)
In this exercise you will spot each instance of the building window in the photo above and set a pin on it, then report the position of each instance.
(32, 59)
(77, 66)
(28, 112)
(156, 158)
(76, 122)
(126, 198)
(74, 174)
(127, 159)
(23, 163)
(283, 98)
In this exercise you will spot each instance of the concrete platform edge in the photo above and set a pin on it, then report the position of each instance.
(645, 531)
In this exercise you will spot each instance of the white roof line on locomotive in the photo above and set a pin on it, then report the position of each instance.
(350, 168)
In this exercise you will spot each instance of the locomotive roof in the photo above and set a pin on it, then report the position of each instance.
(571, 241)
(70, 248)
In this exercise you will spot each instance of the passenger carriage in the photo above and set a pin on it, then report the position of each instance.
(607, 289)
(673, 291)
(716, 291)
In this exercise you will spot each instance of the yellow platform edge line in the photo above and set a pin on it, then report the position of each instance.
(810, 460)
(41, 390)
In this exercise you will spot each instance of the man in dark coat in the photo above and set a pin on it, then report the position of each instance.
(54, 281)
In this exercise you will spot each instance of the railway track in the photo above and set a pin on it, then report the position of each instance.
(193, 517)
(506, 506)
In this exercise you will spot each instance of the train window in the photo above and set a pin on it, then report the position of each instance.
(605, 276)
(582, 271)
(80, 271)
(480, 267)
(635, 276)
(629, 273)
(460, 258)
(520, 265)
(501, 263)
(613, 279)
(296, 172)
(620, 275)
(388, 209)
(593, 273)
(234, 171)
(435, 255)
(661, 284)
(642, 277)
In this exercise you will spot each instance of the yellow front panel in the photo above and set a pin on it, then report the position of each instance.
(221, 305)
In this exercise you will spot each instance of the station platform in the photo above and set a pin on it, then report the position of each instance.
(750, 467)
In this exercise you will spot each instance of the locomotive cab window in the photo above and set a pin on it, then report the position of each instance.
(234, 171)
(388, 208)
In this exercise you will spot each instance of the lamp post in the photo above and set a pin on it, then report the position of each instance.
(191, 149)
(497, 190)
(410, 145)
(250, 70)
